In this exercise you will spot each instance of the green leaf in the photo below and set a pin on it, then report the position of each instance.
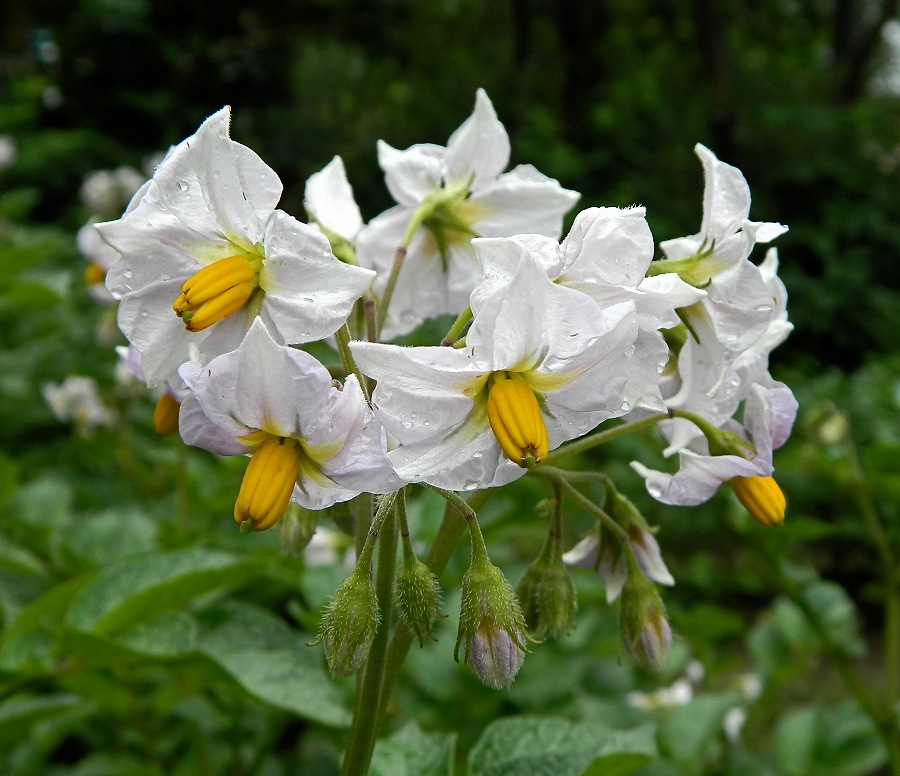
(27, 645)
(410, 752)
(687, 731)
(138, 589)
(272, 662)
(795, 740)
(540, 746)
(19, 714)
(102, 539)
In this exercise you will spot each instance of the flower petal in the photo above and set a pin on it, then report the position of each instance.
(478, 151)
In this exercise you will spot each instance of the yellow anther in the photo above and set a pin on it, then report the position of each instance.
(165, 416)
(94, 274)
(215, 292)
(762, 498)
(515, 418)
(268, 484)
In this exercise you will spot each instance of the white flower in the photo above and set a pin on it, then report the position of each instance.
(769, 414)
(77, 400)
(606, 557)
(204, 252)
(106, 192)
(7, 152)
(605, 255)
(329, 201)
(742, 317)
(265, 397)
(466, 193)
(561, 358)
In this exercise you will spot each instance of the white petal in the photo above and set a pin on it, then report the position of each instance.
(478, 151)
(309, 293)
(329, 200)
(523, 201)
(726, 196)
(411, 175)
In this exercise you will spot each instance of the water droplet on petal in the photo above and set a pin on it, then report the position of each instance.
(279, 215)
(183, 186)
(127, 274)
(308, 299)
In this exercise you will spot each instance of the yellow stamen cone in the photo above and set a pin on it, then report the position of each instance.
(762, 498)
(215, 292)
(165, 416)
(515, 418)
(94, 274)
(268, 483)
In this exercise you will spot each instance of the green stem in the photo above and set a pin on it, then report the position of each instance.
(361, 509)
(599, 438)
(367, 711)
(342, 336)
(885, 719)
(882, 541)
(414, 223)
(452, 527)
(456, 329)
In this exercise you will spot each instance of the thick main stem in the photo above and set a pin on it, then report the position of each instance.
(367, 711)
(452, 527)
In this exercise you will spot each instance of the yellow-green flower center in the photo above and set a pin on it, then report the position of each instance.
(515, 417)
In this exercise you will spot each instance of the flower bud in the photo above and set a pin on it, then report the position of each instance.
(491, 625)
(643, 627)
(349, 624)
(418, 597)
(528, 588)
(297, 527)
(555, 602)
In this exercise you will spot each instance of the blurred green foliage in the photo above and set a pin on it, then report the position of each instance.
(143, 635)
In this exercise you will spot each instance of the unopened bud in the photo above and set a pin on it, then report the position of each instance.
(491, 625)
(555, 602)
(418, 597)
(643, 626)
(297, 527)
(495, 654)
(349, 624)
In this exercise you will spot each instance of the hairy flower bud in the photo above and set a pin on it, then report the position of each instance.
(555, 602)
(643, 627)
(491, 625)
(349, 624)
(418, 597)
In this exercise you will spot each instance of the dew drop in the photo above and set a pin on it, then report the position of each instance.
(426, 422)
(127, 274)
(279, 215)
(655, 491)
(308, 299)
(406, 424)
(183, 186)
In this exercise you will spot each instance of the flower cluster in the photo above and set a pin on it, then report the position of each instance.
(221, 294)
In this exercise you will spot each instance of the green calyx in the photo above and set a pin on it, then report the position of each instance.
(418, 596)
(643, 627)
(349, 624)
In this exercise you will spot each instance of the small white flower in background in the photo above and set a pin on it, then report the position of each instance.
(77, 400)
(679, 693)
(205, 252)
(310, 441)
(106, 192)
(538, 356)
(7, 152)
(605, 255)
(733, 723)
(467, 194)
